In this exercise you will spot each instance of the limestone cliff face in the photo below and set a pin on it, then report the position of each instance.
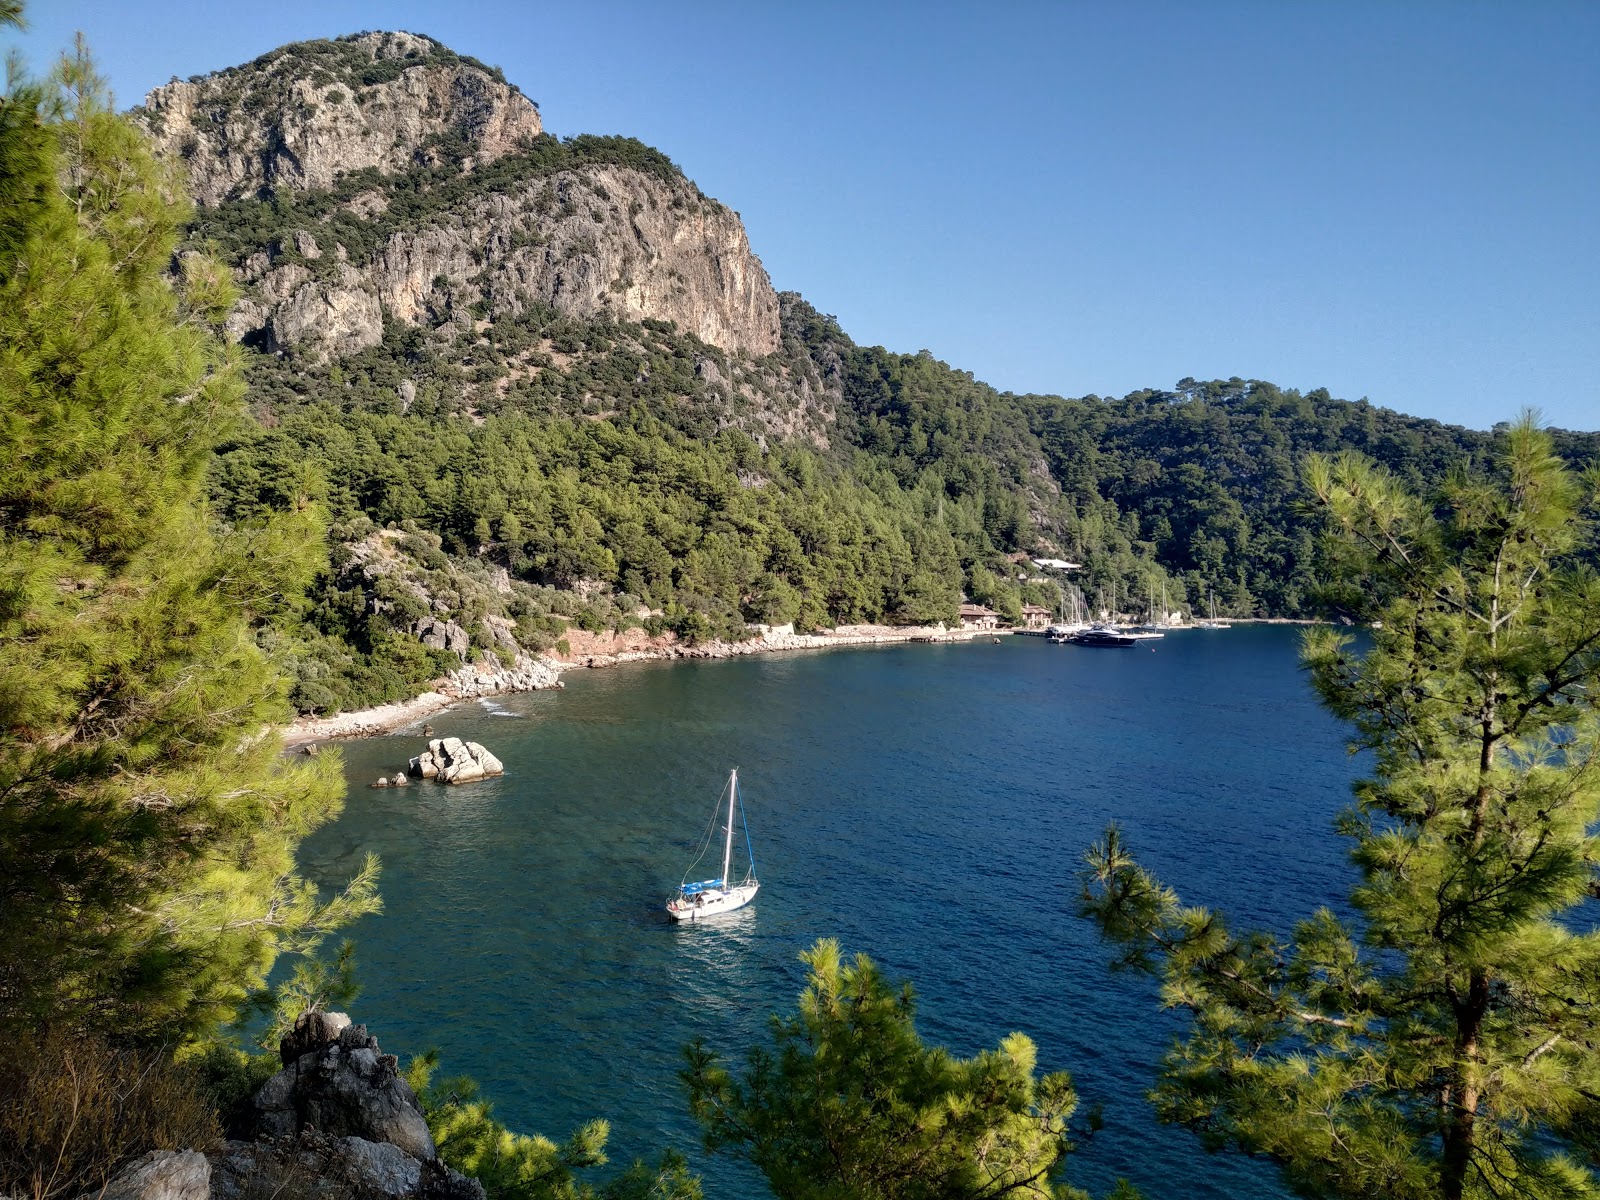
(634, 241)
(302, 116)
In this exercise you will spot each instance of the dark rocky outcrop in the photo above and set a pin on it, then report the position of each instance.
(341, 1085)
(337, 1121)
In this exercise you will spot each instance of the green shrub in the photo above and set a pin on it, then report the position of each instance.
(515, 1166)
(74, 1110)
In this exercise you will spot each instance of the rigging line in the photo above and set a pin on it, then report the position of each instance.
(745, 821)
(705, 842)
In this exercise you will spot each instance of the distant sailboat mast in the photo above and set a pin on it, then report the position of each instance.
(727, 852)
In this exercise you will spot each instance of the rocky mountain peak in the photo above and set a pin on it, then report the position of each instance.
(302, 116)
(425, 190)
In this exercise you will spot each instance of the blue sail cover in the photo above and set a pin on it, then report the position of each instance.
(694, 889)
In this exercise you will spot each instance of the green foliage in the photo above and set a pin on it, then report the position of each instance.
(849, 1102)
(611, 467)
(630, 503)
(514, 1166)
(315, 985)
(147, 826)
(1443, 1043)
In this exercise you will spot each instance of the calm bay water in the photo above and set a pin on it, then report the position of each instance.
(928, 805)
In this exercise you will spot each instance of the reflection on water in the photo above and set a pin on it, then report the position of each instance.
(711, 970)
(926, 805)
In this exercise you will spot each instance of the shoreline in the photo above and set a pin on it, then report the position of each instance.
(543, 674)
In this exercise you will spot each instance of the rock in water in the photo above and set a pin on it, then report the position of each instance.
(451, 760)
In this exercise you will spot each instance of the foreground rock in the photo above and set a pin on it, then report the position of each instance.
(337, 1120)
(162, 1175)
(314, 1166)
(450, 760)
(335, 1081)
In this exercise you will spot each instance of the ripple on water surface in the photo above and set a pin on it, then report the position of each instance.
(926, 804)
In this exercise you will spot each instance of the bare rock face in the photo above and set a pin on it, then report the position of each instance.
(162, 1175)
(336, 1122)
(525, 674)
(314, 1166)
(451, 760)
(343, 1087)
(412, 236)
(608, 239)
(303, 115)
(443, 635)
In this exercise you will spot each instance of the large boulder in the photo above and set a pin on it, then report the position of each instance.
(451, 760)
(342, 1087)
(337, 1122)
(162, 1175)
(316, 1167)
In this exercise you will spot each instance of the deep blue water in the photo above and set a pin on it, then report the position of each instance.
(928, 805)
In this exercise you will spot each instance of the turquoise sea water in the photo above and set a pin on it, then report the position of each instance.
(928, 805)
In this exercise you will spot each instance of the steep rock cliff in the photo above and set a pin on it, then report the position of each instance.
(303, 115)
(382, 175)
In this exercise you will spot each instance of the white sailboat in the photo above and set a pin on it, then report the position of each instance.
(1213, 623)
(694, 901)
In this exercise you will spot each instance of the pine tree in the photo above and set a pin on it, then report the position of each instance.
(1445, 1042)
(147, 819)
(851, 1103)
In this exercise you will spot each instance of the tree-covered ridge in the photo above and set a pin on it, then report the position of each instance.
(654, 474)
(939, 429)
(354, 61)
(1197, 487)
(1210, 471)
(709, 534)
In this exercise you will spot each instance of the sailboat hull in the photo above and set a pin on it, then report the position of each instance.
(711, 903)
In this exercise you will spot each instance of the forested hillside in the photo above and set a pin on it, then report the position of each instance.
(538, 383)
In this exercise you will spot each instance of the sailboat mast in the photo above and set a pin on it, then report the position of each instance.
(727, 853)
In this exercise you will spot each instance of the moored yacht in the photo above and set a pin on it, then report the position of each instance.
(1103, 635)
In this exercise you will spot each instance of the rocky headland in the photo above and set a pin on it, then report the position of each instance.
(339, 1120)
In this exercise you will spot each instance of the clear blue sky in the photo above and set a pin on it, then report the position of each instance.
(1391, 200)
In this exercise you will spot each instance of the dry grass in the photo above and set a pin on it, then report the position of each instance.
(73, 1111)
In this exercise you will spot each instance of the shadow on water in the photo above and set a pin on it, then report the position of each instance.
(927, 805)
